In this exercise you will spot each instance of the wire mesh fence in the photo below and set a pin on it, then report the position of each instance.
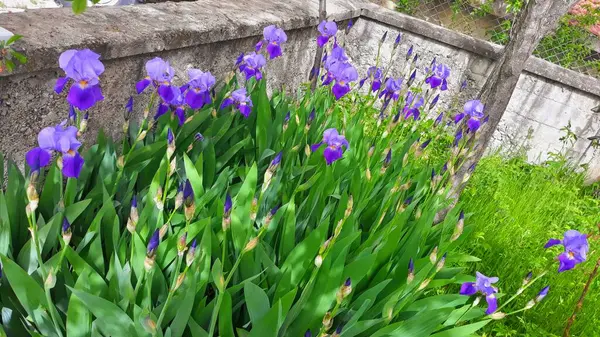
(574, 45)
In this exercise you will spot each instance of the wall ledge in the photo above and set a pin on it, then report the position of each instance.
(157, 27)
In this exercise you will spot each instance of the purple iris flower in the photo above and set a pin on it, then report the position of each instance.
(483, 285)
(412, 106)
(374, 74)
(57, 139)
(392, 89)
(129, 107)
(84, 68)
(474, 109)
(273, 37)
(343, 73)
(335, 64)
(251, 65)
(199, 86)
(176, 104)
(160, 74)
(240, 100)
(327, 30)
(576, 249)
(439, 77)
(334, 142)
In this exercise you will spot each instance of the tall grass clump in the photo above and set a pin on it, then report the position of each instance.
(514, 207)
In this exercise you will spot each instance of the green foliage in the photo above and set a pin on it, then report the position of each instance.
(254, 272)
(9, 56)
(515, 208)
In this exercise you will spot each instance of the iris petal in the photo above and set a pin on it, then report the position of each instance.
(72, 165)
(82, 98)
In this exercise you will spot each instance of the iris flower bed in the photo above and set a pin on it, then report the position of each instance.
(229, 212)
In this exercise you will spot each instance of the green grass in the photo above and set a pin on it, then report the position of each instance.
(516, 207)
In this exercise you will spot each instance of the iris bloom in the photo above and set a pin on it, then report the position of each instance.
(57, 139)
(160, 74)
(198, 92)
(439, 77)
(334, 142)
(412, 106)
(483, 285)
(176, 105)
(374, 75)
(576, 249)
(84, 68)
(327, 30)
(251, 65)
(392, 89)
(333, 63)
(473, 109)
(240, 100)
(343, 73)
(273, 37)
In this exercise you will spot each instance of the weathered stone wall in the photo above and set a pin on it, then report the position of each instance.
(547, 97)
(209, 34)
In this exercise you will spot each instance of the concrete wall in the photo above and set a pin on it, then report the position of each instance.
(209, 34)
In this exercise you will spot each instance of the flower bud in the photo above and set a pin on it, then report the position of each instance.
(32, 196)
(158, 199)
(337, 332)
(529, 304)
(189, 211)
(411, 271)
(371, 151)
(307, 150)
(497, 315)
(142, 135)
(327, 321)
(191, 254)
(433, 255)
(441, 263)
(347, 288)
(424, 284)
(179, 197)
(368, 174)
(527, 278)
(163, 231)
(179, 281)
(349, 207)
(458, 230)
(50, 281)
(84, 123)
(318, 261)
(251, 244)
(182, 244)
(542, 294)
(66, 231)
(120, 162)
(149, 325)
(253, 209)
(172, 166)
(476, 301)
(149, 263)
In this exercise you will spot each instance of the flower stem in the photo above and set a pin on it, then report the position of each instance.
(38, 253)
(213, 319)
(521, 292)
(170, 296)
(579, 304)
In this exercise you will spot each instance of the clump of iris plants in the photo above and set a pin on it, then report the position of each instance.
(223, 211)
